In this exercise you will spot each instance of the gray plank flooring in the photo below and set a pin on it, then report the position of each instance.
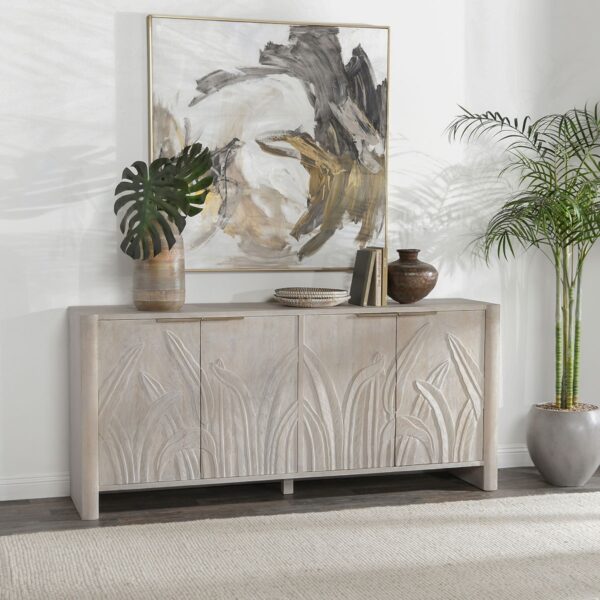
(160, 506)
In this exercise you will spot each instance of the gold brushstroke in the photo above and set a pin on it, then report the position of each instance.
(337, 185)
(211, 205)
(252, 224)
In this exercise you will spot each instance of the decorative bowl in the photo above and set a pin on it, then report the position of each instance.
(307, 302)
(310, 292)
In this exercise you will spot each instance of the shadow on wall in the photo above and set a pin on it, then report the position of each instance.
(37, 357)
(52, 179)
(59, 247)
(59, 238)
(442, 207)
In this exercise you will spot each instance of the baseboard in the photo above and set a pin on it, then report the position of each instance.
(513, 455)
(57, 485)
(37, 486)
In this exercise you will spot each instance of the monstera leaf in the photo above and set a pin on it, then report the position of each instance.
(151, 198)
(157, 199)
(191, 167)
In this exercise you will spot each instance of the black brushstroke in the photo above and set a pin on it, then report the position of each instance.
(371, 98)
(221, 160)
(217, 80)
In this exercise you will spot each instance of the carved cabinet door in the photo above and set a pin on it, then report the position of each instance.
(439, 417)
(149, 401)
(249, 396)
(348, 381)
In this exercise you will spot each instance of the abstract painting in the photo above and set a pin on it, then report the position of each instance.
(295, 117)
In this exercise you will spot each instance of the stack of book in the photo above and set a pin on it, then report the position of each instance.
(369, 278)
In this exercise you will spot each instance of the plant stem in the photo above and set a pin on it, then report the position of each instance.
(570, 349)
(566, 384)
(577, 342)
(558, 341)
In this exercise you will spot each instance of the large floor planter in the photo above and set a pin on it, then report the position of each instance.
(564, 444)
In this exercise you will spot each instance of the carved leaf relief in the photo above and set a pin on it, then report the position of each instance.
(347, 426)
(441, 425)
(148, 429)
(237, 437)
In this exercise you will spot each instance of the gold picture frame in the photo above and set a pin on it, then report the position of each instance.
(383, 235)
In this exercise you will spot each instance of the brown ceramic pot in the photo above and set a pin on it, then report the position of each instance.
(410, 279)
(159, 282)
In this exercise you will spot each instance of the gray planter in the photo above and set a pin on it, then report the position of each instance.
(564, 445)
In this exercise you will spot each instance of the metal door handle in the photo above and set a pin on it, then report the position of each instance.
(196, 319)
(221, 318)
(178, 320)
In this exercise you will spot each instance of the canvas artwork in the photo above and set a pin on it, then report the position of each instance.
(295, 117)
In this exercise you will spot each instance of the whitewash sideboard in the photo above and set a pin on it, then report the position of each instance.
(226, 393)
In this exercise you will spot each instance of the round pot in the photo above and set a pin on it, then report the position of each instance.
(159, 282)
(410, 279)
(564, 444)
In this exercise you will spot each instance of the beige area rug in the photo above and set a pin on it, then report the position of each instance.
(523, 548)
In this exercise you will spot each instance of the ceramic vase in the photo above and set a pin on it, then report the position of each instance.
(159, 282)
(410, 279)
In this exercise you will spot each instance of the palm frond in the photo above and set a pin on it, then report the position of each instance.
(519, 135)
(557, 160)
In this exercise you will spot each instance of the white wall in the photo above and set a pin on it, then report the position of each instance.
(73, 113)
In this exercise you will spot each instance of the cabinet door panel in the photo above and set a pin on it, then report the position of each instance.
(348, 392)
(149, 401)
(440, 388)
(249, 396)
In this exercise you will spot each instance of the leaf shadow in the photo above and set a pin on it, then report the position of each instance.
(442, 206)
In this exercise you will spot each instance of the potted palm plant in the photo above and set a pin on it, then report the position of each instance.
(155, 201)
(557, 211)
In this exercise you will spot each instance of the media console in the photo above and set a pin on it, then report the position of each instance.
(225, 393)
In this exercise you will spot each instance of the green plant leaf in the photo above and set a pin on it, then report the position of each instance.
(557, 210)
(157, 199)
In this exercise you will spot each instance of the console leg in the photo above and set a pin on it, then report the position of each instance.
(485, 478)
(287, 486)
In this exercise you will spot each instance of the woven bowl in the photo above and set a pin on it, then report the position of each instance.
(311, 302)
(310, 292)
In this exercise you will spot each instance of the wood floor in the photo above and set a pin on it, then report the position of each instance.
(54, 514)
